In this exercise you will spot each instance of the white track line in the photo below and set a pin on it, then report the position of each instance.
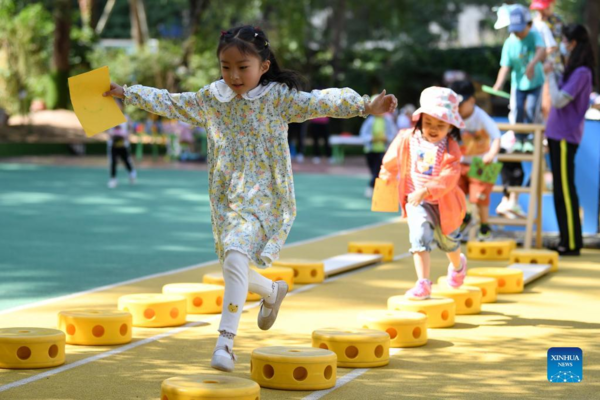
(178, 270)
(163, 335)
(349, 377)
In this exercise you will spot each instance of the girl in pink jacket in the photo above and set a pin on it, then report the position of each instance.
(425, 163)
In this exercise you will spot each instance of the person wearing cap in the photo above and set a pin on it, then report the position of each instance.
(550, 42)
(425, 164)
(480, 138)
(522, 55)
(545, 15)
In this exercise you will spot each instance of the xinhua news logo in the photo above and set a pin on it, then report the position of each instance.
(565, 364)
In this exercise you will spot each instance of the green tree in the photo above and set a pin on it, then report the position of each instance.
(60, 60)
(25, 52)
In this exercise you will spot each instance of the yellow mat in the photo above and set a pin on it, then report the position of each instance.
(500, 353)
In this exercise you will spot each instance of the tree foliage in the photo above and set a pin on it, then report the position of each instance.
(25, 52)
(364, 44)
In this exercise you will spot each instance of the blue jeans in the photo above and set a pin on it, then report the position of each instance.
(424, 228)
(528, 104)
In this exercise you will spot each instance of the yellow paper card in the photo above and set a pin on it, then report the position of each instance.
(95, 112)
(385, 197)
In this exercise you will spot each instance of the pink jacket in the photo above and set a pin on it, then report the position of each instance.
(443, 188)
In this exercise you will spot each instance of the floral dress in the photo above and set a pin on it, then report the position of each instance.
(251, 188)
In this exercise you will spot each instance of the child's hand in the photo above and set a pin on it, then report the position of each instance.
(115, 91)
(488, 157)
(381, 104)
(548, 67)
(417, 197)
(530, 71)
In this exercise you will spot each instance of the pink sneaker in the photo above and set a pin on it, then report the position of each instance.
(456, 278)
(421, 291)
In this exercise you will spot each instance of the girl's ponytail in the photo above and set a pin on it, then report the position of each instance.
(253, 40)
(292, 79)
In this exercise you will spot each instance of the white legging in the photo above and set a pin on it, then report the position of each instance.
(239, 278)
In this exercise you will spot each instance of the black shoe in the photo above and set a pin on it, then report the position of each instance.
(563, 251)
(466, 222)
(485, 232)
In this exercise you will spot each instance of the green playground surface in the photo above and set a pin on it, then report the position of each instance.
(63, 231)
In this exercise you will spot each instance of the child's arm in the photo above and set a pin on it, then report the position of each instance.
(505, 65)
(298, 106)
(502, 74)
(183, 106)
(494, 134)
(493, 152)
(540, 56)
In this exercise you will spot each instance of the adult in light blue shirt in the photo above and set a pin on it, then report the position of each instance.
(523, 53)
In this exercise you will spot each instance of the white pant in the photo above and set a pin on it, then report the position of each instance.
(239, 278)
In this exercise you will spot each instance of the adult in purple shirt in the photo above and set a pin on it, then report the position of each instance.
(570, 100)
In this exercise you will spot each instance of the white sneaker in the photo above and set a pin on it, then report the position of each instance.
(316, 160)
(502, 208)
(368, 192)
(299, 158)
(223, 359)
(510, 211)
(112, 183)
(508, 141)
(132, 177)
(518, 211)
(268, 312)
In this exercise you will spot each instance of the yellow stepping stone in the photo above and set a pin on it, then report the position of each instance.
(492, 250)
(487, 285)
(29, 348)
(96, 327)
(386, 249)
(155, 310)
(509, 280)
(535, 256)
(209, 387)
(466, 298)
(202, 298)
(440, 311)
(405, 328)
(305, 271)
(355, 348)
(294, 368)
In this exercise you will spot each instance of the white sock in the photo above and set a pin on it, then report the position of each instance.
(225, 341)
(270, 299)
(273, 295)
(460, 266)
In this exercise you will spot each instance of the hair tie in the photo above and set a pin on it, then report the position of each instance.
(223, 33)
(266, 44)
(256, 35)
